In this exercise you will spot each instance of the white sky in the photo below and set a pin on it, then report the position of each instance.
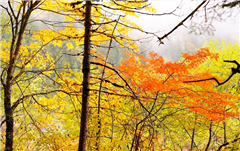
(229, 29)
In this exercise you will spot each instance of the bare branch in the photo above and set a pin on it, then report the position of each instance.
(225, 144)
(234, 71)
(135, 96)
(138, 12)
(2, 81)
(16, 103)
(181, 23)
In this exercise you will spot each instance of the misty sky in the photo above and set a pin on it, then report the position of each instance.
(227, 29)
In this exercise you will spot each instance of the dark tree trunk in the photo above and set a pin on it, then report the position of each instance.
(193, 133)
(9, 118)
(192, 141)
(86, 78)
(7, 98)
(18, 28)
(225, 132)
(210, 137)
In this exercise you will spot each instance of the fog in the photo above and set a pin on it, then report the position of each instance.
(181, 40)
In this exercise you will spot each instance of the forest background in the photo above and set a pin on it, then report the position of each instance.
(87, 75)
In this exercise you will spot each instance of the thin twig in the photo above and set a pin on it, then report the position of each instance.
(181, 23)
(100, 88)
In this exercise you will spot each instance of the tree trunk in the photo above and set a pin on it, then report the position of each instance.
(9, 118)
(7, 97)
(192, 141)
(86, 78)
(225, 132)
(17, 36)
(193, 133)
(210, 137)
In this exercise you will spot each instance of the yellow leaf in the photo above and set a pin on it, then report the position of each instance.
(69, 45)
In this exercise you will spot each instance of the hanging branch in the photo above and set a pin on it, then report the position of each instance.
(181, 23)
(227, 143)
(234, 71)
(231, 4)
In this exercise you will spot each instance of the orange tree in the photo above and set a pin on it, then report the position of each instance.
(172, 104)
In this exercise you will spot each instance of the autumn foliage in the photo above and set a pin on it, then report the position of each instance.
(152, 75)
(135, 103)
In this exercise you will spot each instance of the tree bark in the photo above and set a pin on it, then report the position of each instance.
(86, 78)
(193, 133)
(225, 132)
(192, 141)
(210, 137)
(17, 36)
(9, 117)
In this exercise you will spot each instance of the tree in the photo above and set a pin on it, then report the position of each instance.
(153, 78)
(86, 78)
(16, 41)
(24, 11)
(122, 7)
(222, 70)
(23, 62)
(133, 105)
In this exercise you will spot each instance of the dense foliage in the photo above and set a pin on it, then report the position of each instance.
(136, 102)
